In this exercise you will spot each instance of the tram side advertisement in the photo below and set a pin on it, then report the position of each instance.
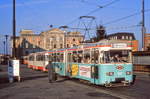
(85, 71)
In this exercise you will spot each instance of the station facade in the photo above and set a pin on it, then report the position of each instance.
(29, 42)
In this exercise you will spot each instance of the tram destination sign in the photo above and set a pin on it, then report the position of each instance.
(119, 45)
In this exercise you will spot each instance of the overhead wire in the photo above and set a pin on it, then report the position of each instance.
(110, 28)
(89, 3)
(125, 17)
(95, 10)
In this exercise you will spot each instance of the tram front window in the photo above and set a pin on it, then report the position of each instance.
(117, 56)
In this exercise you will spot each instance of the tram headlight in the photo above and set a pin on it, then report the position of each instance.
(110, 73)
(128, 72)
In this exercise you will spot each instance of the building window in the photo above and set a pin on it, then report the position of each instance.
(61, 45)
(116, 37)
(123, 37)
(127, 37)
(74, 39)
(130, 37)
(38, 42)
(54, 45)
(67, 45)
(26, 45)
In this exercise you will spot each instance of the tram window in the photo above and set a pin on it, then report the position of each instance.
(75, 56)
(50, 57)
(54, 57)
(61, 57)
(31, 58)
(80, 56)
(42, 57)
(37, 58)
(94, 56)
(69, 57)
(57, 57)
(117, 56)
(46, 57)
(87, 58)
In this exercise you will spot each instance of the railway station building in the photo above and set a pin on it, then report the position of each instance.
(30, 42)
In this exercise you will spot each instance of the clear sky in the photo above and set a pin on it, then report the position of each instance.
(39, 14)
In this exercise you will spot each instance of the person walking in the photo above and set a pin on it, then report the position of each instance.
(51, 72)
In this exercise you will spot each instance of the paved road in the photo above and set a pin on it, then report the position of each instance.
(35, 86)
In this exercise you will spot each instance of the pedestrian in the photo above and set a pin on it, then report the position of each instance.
(51, 72)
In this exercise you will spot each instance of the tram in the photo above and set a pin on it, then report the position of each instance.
(107, 62)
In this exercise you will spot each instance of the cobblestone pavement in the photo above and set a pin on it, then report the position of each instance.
(34, 85)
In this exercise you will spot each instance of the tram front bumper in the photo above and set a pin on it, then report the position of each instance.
(117, 82)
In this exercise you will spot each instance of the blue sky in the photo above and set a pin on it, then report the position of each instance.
(39, 14)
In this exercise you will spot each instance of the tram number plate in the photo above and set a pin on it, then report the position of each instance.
(119, 73)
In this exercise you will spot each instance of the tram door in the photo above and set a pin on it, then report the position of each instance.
(95, 63)
(68, 63)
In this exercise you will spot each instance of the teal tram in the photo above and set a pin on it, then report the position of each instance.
(107, 62)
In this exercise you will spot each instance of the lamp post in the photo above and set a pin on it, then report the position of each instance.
(4, 46)
(6, 36)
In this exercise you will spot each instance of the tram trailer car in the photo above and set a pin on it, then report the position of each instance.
(38, 61)
(107, 63)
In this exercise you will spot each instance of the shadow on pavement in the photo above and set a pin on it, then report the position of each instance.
(4, 83)
(33, 77)
(62, 80)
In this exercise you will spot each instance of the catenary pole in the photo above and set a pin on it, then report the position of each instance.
(143, 25)
(14, 29)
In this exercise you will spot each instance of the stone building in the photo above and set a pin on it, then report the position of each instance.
(29, 42)
(53, 39)
(147, 41)
(73, 39)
